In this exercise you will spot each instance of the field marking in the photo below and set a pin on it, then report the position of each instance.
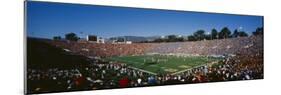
(188, 69)
(142, 70)
(193, 68)
(134, 67)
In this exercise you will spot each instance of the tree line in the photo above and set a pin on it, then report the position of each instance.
(214, 34)
(196, 36)
(69, 36)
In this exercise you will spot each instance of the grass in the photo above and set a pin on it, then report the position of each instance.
(165, 65)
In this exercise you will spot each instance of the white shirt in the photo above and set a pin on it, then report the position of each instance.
(139, 81)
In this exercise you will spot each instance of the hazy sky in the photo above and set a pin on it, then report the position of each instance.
(46, 20)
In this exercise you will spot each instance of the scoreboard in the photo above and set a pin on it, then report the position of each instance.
(92, 38)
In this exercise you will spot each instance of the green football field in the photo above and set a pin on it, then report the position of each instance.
(163, 64)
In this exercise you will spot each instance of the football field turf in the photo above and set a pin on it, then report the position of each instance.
(163, 64)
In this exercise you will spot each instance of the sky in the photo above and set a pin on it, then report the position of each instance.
(46, 20)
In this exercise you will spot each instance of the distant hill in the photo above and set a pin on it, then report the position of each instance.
(135, 38)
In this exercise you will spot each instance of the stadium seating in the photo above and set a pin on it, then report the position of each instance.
(243, 61)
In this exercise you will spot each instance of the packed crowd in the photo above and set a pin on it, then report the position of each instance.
(97, 75)
(103, 50)
(210, 47)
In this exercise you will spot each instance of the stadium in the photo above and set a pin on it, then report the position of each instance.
(110, 65)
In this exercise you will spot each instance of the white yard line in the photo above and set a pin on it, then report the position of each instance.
(142, 70)
(135, 67)
(187, 69)
(191, 68)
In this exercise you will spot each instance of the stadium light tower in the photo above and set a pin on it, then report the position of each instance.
(124, 39)
(240, 29)
(210, 35)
